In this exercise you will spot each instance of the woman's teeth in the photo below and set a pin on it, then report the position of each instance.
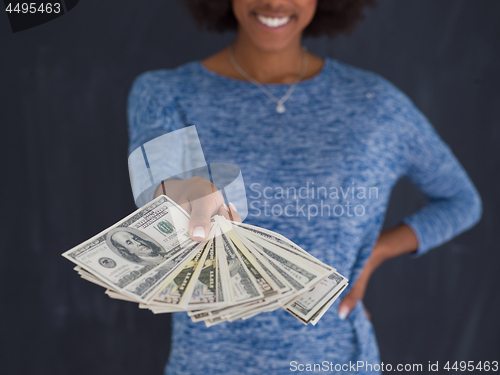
(273, 21)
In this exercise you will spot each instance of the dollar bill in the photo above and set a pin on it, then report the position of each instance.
(178, 291)
(266, 237)
(243, 286)
(320, 312)
(209, 291)
(305, 276)
(239, 271)
(307, 305)
(139, 253)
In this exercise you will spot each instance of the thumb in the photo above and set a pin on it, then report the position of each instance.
(202, 210)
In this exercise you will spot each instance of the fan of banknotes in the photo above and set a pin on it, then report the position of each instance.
(238, 272)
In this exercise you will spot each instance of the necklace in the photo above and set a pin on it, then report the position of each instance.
(280, 108)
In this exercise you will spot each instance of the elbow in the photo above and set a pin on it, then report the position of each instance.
(474, 209)
(477, 208)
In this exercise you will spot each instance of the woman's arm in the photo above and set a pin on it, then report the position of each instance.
(391, 243)
(162, 146)
(454, 205)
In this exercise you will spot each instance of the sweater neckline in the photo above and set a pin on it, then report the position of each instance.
(220, 77)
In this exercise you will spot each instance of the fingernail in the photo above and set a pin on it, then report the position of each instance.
(199, 232)
(232, 207)
(225, 206)
(343, 312)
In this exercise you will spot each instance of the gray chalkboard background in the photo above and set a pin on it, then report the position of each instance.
(63, 90)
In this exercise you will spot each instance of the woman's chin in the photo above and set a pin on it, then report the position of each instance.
(271, 41)
(271, 44)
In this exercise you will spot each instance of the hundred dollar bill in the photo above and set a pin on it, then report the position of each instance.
(272, 306)
(332, 290)
(279, 283)
(205, 289)
(293, 267)
(238, 272)
(296, 285)
(224, 290)
(224, 294)
(210, 291)
(307, 305)
(243, 287)
(316, 317)
(137, 255)
(89, 277)
(271, 286)
(266, 285)
(264, 236)
(177, 292)
(223, 282)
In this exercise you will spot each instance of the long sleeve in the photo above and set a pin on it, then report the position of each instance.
(147, 118)
(161, 146)
(454, 205)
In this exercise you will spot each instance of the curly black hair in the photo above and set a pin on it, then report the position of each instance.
(333, 17)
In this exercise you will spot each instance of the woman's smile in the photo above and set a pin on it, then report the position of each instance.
(273, 25)
(274, 22)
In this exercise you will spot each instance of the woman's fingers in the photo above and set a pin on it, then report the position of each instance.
(347, 305)
(229, 212)
(233, 213)
(223, 211)
(357, 293)
(201, 199)
(358, 290)
(186, 206)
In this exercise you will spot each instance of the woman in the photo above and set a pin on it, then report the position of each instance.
(320, 145)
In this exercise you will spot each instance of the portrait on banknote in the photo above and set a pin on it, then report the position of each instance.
(135, 246)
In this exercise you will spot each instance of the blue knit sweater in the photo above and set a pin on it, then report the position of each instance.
(321, 174)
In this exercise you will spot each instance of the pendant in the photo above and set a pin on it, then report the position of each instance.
(280, 108)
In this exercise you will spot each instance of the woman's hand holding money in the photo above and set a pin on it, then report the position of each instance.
(201, 199)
